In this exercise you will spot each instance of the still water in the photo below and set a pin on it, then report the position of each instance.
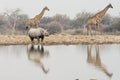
(60, 62)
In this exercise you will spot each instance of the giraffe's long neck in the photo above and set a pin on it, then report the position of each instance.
(39, 16)
(102, 13)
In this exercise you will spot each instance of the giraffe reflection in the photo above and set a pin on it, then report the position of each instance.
(36, 54)
(96, 61)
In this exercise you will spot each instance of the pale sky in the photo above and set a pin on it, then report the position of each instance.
(68, 7)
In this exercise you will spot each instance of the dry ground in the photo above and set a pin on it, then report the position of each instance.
(60, 39)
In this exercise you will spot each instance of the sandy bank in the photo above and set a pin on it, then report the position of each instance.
(60, 39)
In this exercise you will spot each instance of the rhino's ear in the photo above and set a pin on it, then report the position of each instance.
(26, 27)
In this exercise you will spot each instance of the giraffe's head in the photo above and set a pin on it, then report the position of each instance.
(110, 5)
(46, 8)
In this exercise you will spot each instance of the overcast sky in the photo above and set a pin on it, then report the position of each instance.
(68, 7)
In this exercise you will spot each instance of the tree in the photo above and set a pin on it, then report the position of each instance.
(114, 26)
(54, 27)
(80, 19)
(64, 20)
(106, 20)
(45, 20)
(15, 19)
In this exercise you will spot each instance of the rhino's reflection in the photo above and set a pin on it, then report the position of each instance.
(36, 54)
(96, 61)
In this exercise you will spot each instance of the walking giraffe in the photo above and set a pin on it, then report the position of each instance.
(34, 22)
(96, 19)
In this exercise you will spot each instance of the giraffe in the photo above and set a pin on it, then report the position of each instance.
(96, 60)
(96, 19)
(34, 22)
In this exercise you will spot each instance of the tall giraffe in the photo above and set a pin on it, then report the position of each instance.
(96, 19)
(34, 22)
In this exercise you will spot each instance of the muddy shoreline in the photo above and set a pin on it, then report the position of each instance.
(61, 39)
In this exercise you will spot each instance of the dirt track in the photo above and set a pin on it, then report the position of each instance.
(61, 39)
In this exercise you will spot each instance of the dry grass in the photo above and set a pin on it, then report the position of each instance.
(61, 39)
(13, 40)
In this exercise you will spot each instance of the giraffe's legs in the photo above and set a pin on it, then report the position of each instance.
(88, 29)
(98, 28)
(37, 25)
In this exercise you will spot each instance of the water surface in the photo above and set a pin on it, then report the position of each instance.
(60, 62)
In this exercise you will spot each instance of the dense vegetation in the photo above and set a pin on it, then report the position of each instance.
(14, 22)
